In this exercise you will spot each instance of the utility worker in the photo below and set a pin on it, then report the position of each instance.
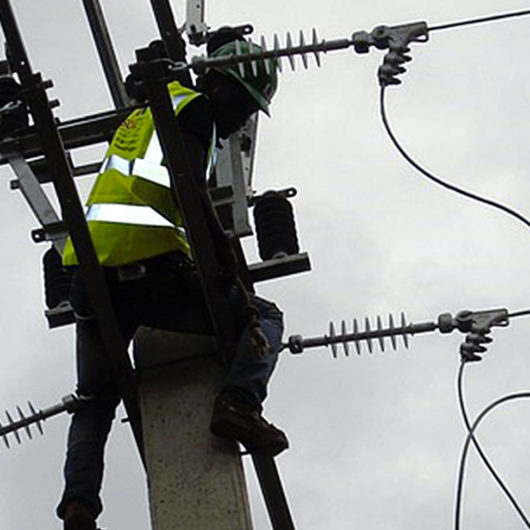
(140, 240)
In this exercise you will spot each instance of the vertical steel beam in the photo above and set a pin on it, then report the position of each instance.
(169, 32)
(272, 489)
(72, 213)
(183, 183)
(109, 62)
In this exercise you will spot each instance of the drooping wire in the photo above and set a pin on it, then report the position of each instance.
(437, 180)
(480, 20)
(471, 438)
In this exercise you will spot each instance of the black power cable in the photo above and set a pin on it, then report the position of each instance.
(480, 20)
(437, 180)
(523, 313)
(471, 438)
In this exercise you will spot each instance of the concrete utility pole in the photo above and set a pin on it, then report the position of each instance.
(195, 479)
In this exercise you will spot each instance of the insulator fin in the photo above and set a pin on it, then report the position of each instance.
(276, 48)
(11, 421)
(26, 427)
(345, 344)
(367, 329)
(240, 65)
(289, 47)
(38, 423)
(379, 328)
(314, 38)
(355, 331)
(404, 325)
(332, 335)
(391, 326)
(303, 55)
(253, 63)
(267, 63)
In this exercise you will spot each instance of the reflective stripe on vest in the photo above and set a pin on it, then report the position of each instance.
(139, 168)
(129, 214)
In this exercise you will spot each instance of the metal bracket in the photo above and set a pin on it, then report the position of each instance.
(195, 27)
(234, 168)
(53, 228)
(54, 232)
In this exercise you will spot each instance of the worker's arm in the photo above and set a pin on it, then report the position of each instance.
(196, 122)
(223, 249)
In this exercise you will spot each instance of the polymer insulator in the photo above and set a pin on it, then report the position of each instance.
(275, 226)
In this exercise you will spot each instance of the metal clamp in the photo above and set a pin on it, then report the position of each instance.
(397, 40)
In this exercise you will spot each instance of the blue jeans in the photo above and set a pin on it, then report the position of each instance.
(169, 297)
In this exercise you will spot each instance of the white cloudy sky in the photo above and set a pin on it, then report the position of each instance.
(375, 439)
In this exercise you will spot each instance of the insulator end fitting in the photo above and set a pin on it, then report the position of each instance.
(296, 344)
(446, 324)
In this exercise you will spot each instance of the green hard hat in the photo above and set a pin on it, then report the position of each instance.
(262, 86)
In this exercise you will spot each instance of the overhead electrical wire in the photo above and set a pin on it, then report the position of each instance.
(437, 180)
(523, 313)
(471, 438)
(480, 20)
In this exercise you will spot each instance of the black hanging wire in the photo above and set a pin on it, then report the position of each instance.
(437, 180)
(480, 20)
(471, 438)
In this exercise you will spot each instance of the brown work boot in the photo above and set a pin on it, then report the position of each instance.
(78, 516)
(246, 425)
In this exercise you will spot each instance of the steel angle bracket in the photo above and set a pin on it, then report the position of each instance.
(52, 227)
(72, 213)
(183, 182)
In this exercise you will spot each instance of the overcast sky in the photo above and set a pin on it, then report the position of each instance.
(375, 439)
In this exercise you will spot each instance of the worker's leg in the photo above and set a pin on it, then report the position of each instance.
(83, 470)
(237, 409)
(249, 372)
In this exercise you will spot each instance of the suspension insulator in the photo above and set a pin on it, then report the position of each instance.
(57, 279)
(275, 226)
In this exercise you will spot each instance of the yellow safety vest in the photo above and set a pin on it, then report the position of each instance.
(131, 212)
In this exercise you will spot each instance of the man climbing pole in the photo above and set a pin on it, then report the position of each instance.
(140, 241)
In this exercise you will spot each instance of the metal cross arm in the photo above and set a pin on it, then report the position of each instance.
(183, 182)
(79, 132)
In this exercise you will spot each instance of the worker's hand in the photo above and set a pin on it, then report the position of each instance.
(259, 341)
